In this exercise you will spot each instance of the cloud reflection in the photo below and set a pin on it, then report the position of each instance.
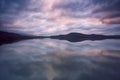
(60, 60)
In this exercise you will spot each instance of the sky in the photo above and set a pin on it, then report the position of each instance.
(53, 17)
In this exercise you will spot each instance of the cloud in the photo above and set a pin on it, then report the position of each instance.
(49, 17)
(111, 20)
(107, 6)
(10, 10)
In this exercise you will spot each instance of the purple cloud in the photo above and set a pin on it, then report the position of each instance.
(49, 17)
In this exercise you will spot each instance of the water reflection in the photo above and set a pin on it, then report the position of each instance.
(49, 59)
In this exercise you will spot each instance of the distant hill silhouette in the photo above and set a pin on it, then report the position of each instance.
(7, 37)
(77, 37)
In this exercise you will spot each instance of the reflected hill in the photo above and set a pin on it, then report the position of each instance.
(7, 37)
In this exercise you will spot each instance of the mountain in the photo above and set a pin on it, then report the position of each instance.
(76, 37)
(7, 37)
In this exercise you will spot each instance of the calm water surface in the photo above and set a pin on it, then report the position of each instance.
(49, 59)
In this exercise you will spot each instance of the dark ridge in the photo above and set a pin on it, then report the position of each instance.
(77, 37)
(7, 37)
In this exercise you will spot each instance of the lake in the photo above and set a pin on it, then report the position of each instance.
(50, 59)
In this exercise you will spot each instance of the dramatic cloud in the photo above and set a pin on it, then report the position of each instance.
(9, 9)
(50, 17)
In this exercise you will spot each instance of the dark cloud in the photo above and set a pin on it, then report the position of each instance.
(8, 5)
(110, 8)
(107, 5)
(74, 6)
(9, 9)
(96, 8)
(109, 11)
